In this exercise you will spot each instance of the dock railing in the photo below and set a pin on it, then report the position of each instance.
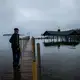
(23, 43)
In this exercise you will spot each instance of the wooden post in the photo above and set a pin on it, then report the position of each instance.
(44, 38)
(34, 65)
(57, 38)
(48, 38)
(22, 43)
(33, 48)
(38, 62)
(70, 38)
(21, 47)
(62, 38)
(53, 38)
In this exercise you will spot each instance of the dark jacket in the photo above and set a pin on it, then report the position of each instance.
(14, 40)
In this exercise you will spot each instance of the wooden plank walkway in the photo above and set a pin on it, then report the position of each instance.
(25, 72)
(26, 62)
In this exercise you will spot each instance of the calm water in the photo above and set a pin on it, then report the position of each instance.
(57, 64)
(5, 55)
(60, 64)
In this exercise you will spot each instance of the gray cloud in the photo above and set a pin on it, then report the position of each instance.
(36, 16)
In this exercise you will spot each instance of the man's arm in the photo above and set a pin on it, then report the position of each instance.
(11, 39)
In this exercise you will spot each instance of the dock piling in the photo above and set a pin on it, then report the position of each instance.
(34, 65)
(38, 62)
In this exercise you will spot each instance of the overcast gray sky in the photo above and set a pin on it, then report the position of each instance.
(36, 16)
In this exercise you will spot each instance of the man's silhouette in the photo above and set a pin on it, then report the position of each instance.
(14, 40)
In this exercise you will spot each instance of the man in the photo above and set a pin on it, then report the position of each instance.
(14, 40)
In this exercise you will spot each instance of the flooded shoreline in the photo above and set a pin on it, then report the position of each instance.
(60, 63)
(57, 63)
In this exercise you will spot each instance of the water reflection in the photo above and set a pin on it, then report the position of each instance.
(58, 44)
(60, 61)
(16, 74)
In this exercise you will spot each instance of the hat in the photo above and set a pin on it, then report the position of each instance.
(16, 29)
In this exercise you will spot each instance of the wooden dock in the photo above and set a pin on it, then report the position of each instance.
(26, 62)
(25, 72)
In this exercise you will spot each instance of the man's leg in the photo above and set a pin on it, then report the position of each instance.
(14, 56)
(18, 58)
(14, 59)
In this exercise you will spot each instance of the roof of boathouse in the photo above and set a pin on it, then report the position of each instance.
(60, 33)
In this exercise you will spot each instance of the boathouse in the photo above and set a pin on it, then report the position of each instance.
(70, 35)
(60, 33)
